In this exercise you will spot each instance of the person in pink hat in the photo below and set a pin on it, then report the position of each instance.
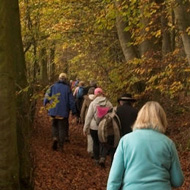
(92, 121)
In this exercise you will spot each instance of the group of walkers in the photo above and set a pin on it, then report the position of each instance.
(145, 157)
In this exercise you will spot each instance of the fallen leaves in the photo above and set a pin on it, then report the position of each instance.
(74, 169)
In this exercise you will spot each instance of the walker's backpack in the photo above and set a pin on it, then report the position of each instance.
(109, 129)
(80, 92)
(101, 111)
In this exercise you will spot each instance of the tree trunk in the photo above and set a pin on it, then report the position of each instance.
(150, 43)
(43, 64)
(52, 64)
(147, 45)
(166, 36)
(173, 33)
(9, 161)
(36, 69)
(183, 21)
(23, 104)
(125, 40)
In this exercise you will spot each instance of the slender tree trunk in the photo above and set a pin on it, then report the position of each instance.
(43, 64)
(52, 64)
(173, 33)
(166, 36)
(9, 160)
(35, 64)
(182, 16)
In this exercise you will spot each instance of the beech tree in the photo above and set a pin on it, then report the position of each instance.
(129, 50)
(104, 40)
(153, 25)
(182, 14)
(14, 121)
(9, 164)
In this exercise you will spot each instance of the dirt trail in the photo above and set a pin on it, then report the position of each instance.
(71, 170)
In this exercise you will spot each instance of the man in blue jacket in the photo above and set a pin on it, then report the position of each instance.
(60, 99)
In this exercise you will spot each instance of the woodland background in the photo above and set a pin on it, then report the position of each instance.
(136, 46)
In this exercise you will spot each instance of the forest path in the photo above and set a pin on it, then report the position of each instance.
(71, 170)
(74, 169)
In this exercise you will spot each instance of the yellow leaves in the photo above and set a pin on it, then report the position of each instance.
(176, 86)
(158, 33)
(153, 79)
(147, 29)
(64, 46)
(23, 90)
(188, 30)
(187, 70)
(41, 110)
(140, 70)
(63, 26)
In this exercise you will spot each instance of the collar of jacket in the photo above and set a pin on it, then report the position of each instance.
(63, 82)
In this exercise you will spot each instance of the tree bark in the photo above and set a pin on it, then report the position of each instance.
(9, 160)
(43, 64)
(125, 40)
(23, 104)
(183, 21)
(22, 99)
(52, 64)
(166, 36)
(173, 33)
(36, 69)
(150, 43)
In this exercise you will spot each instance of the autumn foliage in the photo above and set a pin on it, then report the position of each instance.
(137, 47)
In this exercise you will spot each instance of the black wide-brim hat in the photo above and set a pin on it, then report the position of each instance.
(126, 97)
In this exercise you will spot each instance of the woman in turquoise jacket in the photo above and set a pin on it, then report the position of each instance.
(146, 159)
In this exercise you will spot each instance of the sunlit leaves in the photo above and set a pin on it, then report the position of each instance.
(87, 44)
(188, 30)
(53, 101)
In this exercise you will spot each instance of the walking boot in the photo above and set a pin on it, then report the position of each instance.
(61, 148)
(102, 162)
(54, 146)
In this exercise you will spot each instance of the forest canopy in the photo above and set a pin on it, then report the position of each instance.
(138, 46)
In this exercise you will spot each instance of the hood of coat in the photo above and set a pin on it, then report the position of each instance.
(91, 96)
(100, 100)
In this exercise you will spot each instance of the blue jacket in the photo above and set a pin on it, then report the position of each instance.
(147, 160)
(61, 99)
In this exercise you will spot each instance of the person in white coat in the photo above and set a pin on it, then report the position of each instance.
(99, 150)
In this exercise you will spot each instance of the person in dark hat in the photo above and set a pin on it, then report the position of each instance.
(126, 113)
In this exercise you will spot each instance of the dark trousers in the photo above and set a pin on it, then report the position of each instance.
(59, 130)
(79, 103)
(66, 123)
(110, 147)
(99, 149)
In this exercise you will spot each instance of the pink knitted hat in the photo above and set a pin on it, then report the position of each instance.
(98, 91)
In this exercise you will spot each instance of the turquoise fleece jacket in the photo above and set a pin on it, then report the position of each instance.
(145, 160)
